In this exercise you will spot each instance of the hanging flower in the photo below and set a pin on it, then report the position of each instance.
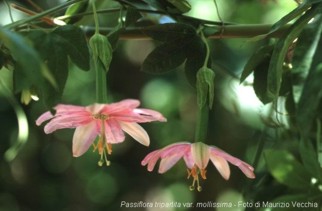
(196, 157)
(107, 121)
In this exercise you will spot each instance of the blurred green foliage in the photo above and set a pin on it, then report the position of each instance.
(45, 176)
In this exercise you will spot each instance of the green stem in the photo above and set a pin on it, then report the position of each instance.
(213, 32)
(203, 111)
(95, 17)
(202, 124)
(207, 49)
(101, 92)
(42, 14)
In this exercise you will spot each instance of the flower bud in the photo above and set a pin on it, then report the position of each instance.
(205, 87)
(101, 49)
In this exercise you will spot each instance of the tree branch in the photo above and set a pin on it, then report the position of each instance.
(219, 32)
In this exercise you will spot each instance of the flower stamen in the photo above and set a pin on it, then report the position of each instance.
(102, 146)
(194, 172)
(102, 117)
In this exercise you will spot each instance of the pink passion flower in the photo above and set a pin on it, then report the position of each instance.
(196, 157)
(105, 121)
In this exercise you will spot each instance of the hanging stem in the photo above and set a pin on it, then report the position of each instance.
(203, 111)
(101, 92)
(95, 17)
(207, 49)
(202, 124)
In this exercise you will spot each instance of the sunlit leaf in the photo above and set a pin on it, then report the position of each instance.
(75, 9)
(289, 17)
(303, 55)
(286, 169)
(275, 70)
(311, 94)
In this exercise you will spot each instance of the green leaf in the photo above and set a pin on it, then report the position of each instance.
(275, 70)
(289, 17)
(311, 95)
(55, 48)
(303, 55)
(262, 54)
(28, 62)
(195, 59)
(170, 31)
(173, 52)
(73, 41)
(182, 5)
(260, 81)
(309, 101)
(75, 9)
(166, 57)
(310, 159)
(286, 170)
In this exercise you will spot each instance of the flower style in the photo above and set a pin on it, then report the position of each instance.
(107, 121)
(196, 157)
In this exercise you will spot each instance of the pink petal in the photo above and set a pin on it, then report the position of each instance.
(44, 117)
(169, 161)
(121, 106)
(148, 115)
(247, 169)
(151, 159)
(67, 121)
(95, 108)
(138, 115)
(83, 138)
(188, 160)
(62, 108)
(137, 132)
(200, 153)
(221, 164)
(148, 157)
(175, 149)
(113, 132)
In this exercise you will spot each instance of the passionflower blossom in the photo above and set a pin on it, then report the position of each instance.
(196, 157)
(105, 121)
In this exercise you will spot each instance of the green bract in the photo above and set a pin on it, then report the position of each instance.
(101, 49)
(205, 87)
